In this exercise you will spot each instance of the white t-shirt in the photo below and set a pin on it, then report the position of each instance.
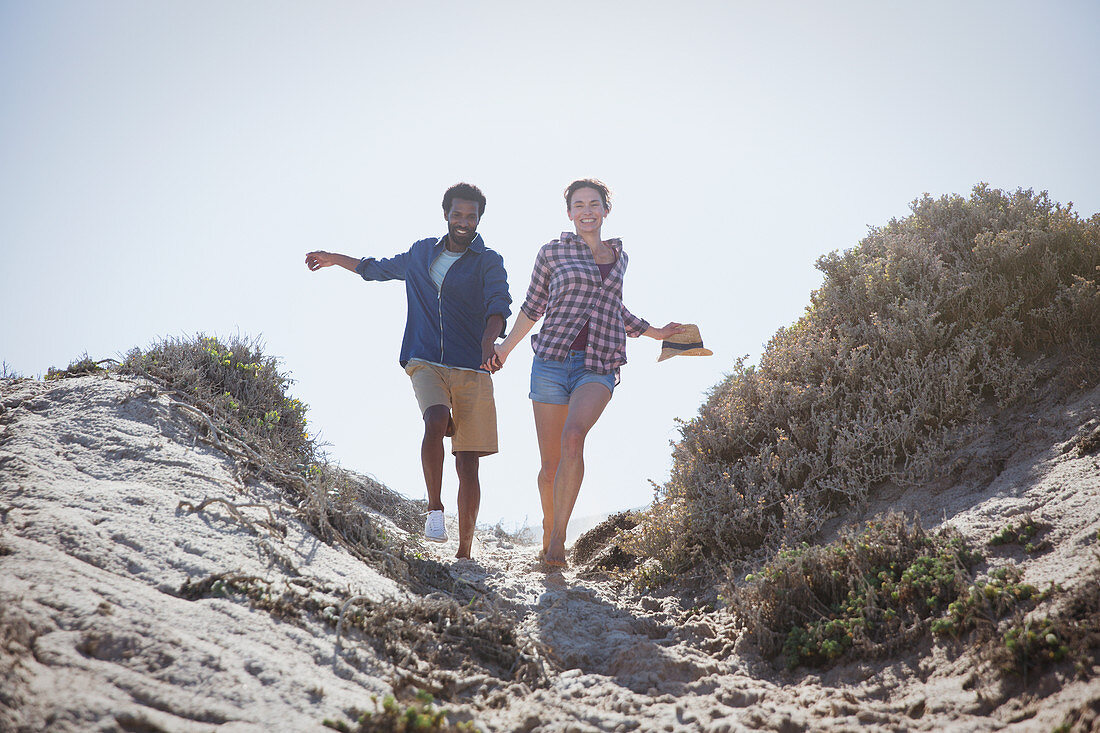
(443, 263)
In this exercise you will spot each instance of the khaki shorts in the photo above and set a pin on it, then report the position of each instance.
(468, 394)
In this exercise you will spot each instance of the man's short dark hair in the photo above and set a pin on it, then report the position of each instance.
(600, 186)
(466, 192)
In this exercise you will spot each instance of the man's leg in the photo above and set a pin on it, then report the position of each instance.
(549, 421)
(436, 419)
(475, 418)
(585, 407)
(469, 499)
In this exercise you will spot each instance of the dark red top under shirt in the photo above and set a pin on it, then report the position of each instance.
(581, 342)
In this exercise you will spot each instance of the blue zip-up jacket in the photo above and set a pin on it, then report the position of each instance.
(446, 327)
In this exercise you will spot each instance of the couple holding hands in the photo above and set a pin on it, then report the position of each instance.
(458, 304)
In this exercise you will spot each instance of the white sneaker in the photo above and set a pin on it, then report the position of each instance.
(434, 527)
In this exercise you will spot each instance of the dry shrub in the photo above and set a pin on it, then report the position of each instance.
(243, 395)
(521, 535)
(287, 602)
(337, 506)
(1089, 442)
(913, 332)
(17, 636)
(1083, 718)
(364, 491)
(430, 634)
(419, 637)
(601, 548)
(82, 367)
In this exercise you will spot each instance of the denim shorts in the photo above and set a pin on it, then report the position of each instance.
(552, 382)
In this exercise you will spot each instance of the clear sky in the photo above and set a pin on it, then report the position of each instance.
(165, 166)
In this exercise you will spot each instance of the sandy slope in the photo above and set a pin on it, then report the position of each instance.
(96, 635)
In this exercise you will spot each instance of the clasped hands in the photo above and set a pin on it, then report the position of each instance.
(494, 361)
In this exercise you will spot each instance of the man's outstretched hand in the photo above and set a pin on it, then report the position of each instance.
(316, 260)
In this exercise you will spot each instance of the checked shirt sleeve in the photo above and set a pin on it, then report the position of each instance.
(538, 292)
(635, 326)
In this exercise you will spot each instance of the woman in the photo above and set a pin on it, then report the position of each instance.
(577, 283)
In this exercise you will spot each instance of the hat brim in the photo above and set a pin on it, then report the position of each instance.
(667, 353)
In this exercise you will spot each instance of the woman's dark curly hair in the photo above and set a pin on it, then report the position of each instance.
(600, 186)
(466, 192)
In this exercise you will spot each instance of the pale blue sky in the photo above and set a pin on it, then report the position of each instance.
(165, 166)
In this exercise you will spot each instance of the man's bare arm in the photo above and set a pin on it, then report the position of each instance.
(316, 260)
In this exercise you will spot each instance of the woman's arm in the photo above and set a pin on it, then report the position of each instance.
(636, 326)
(534, 305)
(520, 329)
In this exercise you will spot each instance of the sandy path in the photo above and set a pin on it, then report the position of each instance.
(94, 549)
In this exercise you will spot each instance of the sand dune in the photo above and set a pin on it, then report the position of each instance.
(122, 608)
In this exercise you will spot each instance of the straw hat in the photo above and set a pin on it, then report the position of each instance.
(686, 343)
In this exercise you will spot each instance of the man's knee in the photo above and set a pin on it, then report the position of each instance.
(436, 419)
(466, 464)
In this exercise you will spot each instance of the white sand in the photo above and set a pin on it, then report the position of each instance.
(94, 635)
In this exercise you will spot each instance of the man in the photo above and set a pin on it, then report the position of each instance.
(458, 304)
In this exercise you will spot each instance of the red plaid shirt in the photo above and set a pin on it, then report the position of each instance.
(566, 286)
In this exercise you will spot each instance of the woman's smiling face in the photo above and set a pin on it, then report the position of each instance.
(587, 210)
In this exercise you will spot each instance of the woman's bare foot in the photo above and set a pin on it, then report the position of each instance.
(555, 557)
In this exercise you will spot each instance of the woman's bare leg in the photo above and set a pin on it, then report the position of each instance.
(549, 421)
(586, 405)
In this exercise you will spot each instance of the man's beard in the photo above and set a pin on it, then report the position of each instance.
(459, 240)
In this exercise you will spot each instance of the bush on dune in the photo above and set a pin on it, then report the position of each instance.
(880, 588)
(912, 332)
(236, 384)
(243, 393)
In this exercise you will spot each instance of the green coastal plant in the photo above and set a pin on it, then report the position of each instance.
(1024, 533)
(239, 386)
(1070, 632)
(80, 368)
(930, 321)
(866, 591)
(390, 716)
(1032, 644)
(873, 591)
(987, 601)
